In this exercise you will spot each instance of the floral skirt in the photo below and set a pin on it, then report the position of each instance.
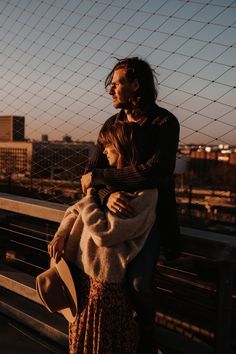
(105, 323)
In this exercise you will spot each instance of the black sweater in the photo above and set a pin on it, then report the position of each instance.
(162, 129)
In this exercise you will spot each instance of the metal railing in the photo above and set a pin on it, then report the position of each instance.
(196, 307)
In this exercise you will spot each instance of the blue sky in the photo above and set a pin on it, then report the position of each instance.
(54, 56)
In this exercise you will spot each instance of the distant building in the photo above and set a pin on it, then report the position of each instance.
(232, 158)
(12, 128)
(221, 153)
(67, 139)
(181, 165)
(52, 160)
(15, 157)
(44, 138)
(60, 160)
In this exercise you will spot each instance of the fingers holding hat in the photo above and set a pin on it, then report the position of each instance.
(57, 288)
(56, 247)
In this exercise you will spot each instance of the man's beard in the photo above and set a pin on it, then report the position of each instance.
(124, 105)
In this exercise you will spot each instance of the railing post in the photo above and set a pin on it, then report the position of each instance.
(224, 308)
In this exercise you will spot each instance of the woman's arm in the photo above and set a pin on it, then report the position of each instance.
(57, 245)
(106, 229)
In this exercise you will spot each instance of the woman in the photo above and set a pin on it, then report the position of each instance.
(105, 245)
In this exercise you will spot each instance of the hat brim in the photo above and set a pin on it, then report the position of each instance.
(65, 274)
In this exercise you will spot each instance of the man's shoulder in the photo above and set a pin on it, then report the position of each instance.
(110, 120)
(164, 117)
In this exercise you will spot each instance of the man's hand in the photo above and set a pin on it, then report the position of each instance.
(86, 182)
(56, 247)
(118, 203)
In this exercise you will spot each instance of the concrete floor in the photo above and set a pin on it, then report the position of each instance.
(16, 339)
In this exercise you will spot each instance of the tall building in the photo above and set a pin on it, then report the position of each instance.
(12, 128)
(51, 160)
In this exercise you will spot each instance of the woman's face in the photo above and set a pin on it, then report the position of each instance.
(111, 154)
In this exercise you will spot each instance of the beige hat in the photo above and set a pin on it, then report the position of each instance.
(57, 290)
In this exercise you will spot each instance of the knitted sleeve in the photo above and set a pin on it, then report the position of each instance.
(107, 230)
(67, 222)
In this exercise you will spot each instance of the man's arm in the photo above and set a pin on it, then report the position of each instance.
(157, 170)
(154, 172)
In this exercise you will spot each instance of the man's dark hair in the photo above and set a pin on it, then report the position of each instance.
(139, 69)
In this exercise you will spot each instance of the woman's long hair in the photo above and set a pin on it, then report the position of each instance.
(139, 69)
(129, 140)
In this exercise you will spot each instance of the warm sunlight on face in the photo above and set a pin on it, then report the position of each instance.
(111, 154)
(121, 89)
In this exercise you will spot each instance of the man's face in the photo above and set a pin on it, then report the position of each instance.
(122, 90)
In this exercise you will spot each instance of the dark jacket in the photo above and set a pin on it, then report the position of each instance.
(162, 129)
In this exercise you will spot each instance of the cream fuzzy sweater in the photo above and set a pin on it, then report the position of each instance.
(101, 243)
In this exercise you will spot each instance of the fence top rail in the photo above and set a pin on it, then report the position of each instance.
(32, 207)
(212, 245)
(203, 243)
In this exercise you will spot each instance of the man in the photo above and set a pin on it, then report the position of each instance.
(132, 85)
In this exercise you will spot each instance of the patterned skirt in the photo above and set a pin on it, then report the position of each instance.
(105, 323)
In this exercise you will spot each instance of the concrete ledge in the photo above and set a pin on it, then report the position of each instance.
(208, 235)
(35, 317)
(211, 245)
(32, 207)
(18, 282)
(54, 212)
(40, 327)
(177, 341)
(19, 288)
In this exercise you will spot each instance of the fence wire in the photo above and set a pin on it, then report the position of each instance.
(55, 55)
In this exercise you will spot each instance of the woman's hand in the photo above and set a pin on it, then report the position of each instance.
(86, 182)
(118, 203)
(56, 248)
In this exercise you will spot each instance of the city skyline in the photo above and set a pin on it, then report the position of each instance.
(56, 54)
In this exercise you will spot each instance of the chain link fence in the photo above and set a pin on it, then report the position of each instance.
(55, 55)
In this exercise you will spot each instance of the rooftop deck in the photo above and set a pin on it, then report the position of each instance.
(196, 307)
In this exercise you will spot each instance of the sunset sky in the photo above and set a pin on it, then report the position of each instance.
(54, 56)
